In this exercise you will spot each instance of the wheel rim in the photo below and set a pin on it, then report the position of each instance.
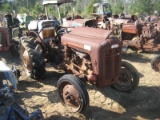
(15, 33)
(125, 80)
(70, 97)
(26, 61)
(156, 65)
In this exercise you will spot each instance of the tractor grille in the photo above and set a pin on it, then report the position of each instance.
(108, 65)
(112, 63)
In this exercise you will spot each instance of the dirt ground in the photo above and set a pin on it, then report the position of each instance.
(105, 104)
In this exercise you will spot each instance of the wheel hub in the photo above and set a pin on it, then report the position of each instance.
(125, 78)
(71, 97)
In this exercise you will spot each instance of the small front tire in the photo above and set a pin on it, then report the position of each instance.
(73, 93)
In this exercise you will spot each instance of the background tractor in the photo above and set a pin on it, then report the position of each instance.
(134, 34)
(7, 40)
(101, 13)
(7, 43)
(89, 55)
(22, 27)
(141, 37)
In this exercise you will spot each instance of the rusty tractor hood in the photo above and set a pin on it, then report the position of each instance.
(75, 22)
(86, 38)
(132, 28)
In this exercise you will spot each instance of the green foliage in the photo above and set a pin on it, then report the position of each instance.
(37, 9)
(23, 10)
(68, 9)
(53, 11)
(90, 6)
(82, 7)
(78, 8)
(118, 9)
(141, 6)
(157, 6)
(7, 8)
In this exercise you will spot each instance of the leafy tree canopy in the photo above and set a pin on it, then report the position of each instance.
(82, 7)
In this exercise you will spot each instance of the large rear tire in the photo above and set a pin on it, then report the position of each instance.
(73, 93)
(32, 59)
(155, 63)
(129, 78)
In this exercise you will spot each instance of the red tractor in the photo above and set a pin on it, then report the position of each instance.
(7, 43)
(89, 55)
(143, 37)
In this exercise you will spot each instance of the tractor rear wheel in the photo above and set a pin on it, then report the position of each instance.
(73, 93)
(129, 78)
(32, 59)
(155, 63)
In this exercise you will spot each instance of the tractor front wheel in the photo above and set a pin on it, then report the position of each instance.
(73, 93)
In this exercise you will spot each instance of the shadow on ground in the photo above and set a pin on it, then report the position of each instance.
(60, 117)
(138, 57)
(144, 103)
(9, 59)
